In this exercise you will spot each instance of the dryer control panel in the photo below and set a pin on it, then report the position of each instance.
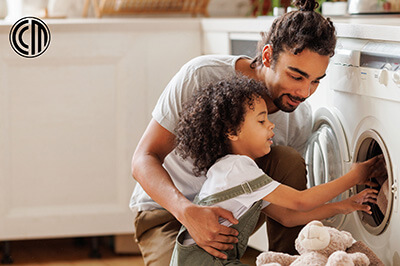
(367, 67)
(380, 55)
(385, 57)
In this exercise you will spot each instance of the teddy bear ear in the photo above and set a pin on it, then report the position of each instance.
(314, 236)
(349, 240)
(315, 222)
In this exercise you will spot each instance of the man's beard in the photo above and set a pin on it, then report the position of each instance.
(287, 108)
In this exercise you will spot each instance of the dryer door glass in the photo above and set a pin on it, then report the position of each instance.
(323, 162)
(369, 145)
(322, 157)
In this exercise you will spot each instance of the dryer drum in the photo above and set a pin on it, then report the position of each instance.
(370, 145)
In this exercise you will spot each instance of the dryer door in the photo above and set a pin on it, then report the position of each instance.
(370, 144)
(326, 155)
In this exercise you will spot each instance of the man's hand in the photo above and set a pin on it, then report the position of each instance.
(203, 226)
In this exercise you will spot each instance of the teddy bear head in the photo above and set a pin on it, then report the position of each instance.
(315, 237)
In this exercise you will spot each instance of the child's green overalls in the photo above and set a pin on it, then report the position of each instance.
(193, 255)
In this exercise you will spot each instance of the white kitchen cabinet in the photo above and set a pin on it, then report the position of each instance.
(70, 120)
(216, 42)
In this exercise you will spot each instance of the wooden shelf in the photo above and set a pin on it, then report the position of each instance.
(124, 7)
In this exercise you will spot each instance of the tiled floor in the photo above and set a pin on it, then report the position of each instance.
(63, 252)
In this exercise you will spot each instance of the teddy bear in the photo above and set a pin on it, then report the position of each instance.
(317, 245)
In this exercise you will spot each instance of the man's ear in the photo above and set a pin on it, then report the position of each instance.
(267, 55)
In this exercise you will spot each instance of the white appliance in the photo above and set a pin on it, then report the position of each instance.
(373, 7)
(360, 120)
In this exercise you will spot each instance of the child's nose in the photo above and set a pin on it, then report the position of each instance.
(271, 125)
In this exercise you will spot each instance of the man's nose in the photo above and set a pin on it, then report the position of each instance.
(304, 91)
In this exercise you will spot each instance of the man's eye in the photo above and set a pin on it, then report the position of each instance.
(316, 82)
(297, 78)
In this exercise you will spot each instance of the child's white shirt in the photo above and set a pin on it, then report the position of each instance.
(230, 171)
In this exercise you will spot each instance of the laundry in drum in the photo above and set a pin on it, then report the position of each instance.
(379, 209)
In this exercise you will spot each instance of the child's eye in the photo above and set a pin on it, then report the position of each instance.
(261, 122)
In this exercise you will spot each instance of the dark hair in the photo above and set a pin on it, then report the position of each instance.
(210, 115)
(299, 30)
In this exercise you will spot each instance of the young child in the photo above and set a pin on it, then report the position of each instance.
(224, 128)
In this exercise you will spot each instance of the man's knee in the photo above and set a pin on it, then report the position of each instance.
(285, 165)
(157, 247)
(155, 233)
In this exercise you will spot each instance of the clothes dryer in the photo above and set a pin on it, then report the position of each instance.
(362, 120)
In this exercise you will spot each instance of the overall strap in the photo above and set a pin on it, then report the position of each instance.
(244, 188)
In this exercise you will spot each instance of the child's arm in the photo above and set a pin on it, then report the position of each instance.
(290, 218)
(311, 198)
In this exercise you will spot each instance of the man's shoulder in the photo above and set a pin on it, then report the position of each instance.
(205, 61)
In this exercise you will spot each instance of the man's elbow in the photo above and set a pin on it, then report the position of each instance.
(135, 166)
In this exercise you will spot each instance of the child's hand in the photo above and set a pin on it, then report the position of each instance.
(355, 203)
(372, 168)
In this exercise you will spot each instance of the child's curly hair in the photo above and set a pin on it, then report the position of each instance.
(210, 115)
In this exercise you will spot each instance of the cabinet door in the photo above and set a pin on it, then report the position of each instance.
(69, 123)
(216, 43)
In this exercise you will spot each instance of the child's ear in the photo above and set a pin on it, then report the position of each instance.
(232, 137)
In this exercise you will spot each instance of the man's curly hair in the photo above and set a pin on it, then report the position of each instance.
(298, 30)
(210, 115)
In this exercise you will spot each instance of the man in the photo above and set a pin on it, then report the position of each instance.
(291, 61)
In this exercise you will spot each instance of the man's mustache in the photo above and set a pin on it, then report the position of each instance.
(294, 98)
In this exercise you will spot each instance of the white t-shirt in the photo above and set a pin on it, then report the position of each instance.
(291, 129)
(230, 171)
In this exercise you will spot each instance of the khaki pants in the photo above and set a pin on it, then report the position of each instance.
(156, 230)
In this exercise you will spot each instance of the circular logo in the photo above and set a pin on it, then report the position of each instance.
(29, 37)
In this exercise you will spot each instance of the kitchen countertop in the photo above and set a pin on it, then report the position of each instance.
(375, 27)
